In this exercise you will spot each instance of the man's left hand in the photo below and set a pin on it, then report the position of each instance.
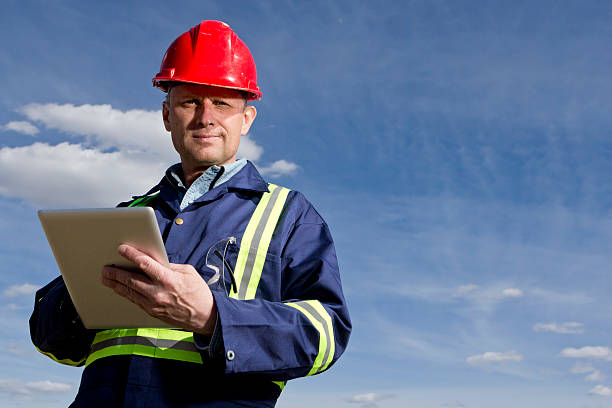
(176, 294)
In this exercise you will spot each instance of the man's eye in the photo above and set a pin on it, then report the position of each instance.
(190, 102)
(220, 103)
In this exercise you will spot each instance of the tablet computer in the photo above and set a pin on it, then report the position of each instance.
(83, 241)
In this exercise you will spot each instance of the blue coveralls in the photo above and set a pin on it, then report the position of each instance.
(297, 324)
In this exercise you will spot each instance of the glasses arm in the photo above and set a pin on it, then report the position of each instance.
(231, 272)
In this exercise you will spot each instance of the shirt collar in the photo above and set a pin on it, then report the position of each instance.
(240, 174)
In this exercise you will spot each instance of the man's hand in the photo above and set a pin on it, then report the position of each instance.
(176, 294)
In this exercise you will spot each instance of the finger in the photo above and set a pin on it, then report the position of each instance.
(141, 251)
(133, 280)
(144, 262)
(128, 293)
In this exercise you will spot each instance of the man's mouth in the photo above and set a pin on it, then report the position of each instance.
(205, 136)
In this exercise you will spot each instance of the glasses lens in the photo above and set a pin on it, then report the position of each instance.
(216, 260)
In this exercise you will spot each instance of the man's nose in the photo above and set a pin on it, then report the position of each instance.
(204, 115)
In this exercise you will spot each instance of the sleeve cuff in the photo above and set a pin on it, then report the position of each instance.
(211, 347)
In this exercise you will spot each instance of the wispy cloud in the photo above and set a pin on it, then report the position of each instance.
(369, 399)
(595, 376)
(563, 328)
(470, 292)
(590, 352)
(21, 127)
(601, 390)
(14, 306)
(14, 349)
(512, 292)
(22, 388)
(495, 357)
(20, 290)
(582, 368)
(453, 404)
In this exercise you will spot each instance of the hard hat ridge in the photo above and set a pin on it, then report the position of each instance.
(210, 54)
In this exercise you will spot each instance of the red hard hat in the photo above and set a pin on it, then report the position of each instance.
(210, 54)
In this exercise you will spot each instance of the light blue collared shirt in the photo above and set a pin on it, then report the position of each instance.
(203, 183)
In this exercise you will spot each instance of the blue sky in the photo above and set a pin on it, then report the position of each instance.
(459, 150)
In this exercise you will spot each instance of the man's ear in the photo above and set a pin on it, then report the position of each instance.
(249, 116)
(166, 115)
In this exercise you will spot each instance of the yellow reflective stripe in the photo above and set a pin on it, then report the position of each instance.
(247, 237)
(256, 241)
(65, 361)
(281, 384)
(264, 242)
(142, 349)
(321, 320)
(143, 201)
(147, 351)
(164, 334)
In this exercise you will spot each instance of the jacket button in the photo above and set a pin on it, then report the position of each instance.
(178, 221)
(230, 355)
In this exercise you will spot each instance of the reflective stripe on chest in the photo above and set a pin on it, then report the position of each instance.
(255, 242)
(178, 344)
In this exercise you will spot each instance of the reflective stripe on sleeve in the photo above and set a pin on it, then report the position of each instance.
(321, 320)
(256, 240)
(281, 384)
(65, 361)
(143, 201)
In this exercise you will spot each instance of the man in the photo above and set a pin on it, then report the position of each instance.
(273, 307)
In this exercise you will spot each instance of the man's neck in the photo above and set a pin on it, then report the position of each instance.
(192, 174)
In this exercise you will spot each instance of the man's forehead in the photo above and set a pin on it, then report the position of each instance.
(204, 90)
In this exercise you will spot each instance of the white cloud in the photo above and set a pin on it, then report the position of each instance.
(124, 153)
(582, 368)
(248, 149)
(492, 293)
(21, 127)
(463, 290)
(19, 290)
(595, 376)
(592, 352)
(279, 168)
(107, 127)
(563, 328)
(370, 398)
(512, 292)
(69, 175)
(495, 357)
(453, 404)
(601, 390)
(17, 387)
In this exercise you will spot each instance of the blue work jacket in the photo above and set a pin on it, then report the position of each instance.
(294, 323)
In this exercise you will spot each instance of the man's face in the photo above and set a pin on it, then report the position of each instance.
(206, 123)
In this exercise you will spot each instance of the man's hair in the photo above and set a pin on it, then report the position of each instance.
(169, 85)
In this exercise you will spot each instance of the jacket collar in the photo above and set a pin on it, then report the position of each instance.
(246, 179)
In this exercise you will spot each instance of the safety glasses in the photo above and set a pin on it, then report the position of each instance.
(216, 260)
